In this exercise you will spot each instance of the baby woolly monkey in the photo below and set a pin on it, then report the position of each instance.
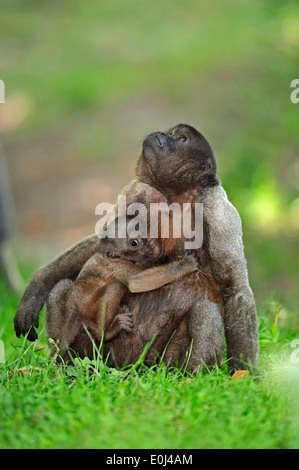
(93, 300)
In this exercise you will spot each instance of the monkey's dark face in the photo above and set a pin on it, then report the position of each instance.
(177, 160)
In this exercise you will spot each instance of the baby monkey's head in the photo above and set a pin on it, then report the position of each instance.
(132, 248)
(145, 252)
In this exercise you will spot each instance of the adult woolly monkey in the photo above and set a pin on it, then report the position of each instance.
(173, 165)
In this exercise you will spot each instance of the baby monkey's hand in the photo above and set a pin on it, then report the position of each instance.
(124, 320)
(187, 264)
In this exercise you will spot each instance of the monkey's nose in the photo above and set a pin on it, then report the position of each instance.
(161, 138)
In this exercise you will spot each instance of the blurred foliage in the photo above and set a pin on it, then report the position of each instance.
(225, 67)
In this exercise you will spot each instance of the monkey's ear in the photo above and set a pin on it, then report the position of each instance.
(207, 167)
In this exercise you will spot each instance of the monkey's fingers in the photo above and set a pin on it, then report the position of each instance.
(127, 328)
(27, 314)
(190, 262)
(23, 323)
(17, 327)
(127, 314)
(126, 323)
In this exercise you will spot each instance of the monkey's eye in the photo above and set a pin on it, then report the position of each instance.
(134, 242)
(182, 138)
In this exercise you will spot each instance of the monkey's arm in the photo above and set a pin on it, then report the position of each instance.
(226, 252)
(65, 266)
(154, 278)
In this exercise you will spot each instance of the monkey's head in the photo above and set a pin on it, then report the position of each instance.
(177, 160)
(134, 249)
(130, 247)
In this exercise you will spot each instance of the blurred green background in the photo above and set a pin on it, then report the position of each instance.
(86, 81)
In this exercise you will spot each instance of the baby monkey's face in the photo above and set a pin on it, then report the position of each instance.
(137, 250)
(132, 247)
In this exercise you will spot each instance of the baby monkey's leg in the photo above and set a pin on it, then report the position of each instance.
(110, 317)
(56, 316)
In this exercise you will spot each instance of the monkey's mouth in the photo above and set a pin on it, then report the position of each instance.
(111, 254)
(152, 140)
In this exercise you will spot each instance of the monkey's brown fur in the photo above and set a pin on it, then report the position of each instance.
(93, 300)
(172, 166)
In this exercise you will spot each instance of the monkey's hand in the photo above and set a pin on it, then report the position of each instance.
(65, 266)
(122, 321)
(188, 264)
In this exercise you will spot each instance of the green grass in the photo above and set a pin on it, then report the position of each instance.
(93, 406)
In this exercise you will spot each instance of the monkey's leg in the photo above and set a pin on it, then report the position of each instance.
(55, 309)
(154, 278)
(109, 305)
(109, 319)
(65, 266)
(205, 326)
(228, 262)
(241, 330)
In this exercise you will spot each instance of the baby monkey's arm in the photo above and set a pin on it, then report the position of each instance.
(154, 278)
